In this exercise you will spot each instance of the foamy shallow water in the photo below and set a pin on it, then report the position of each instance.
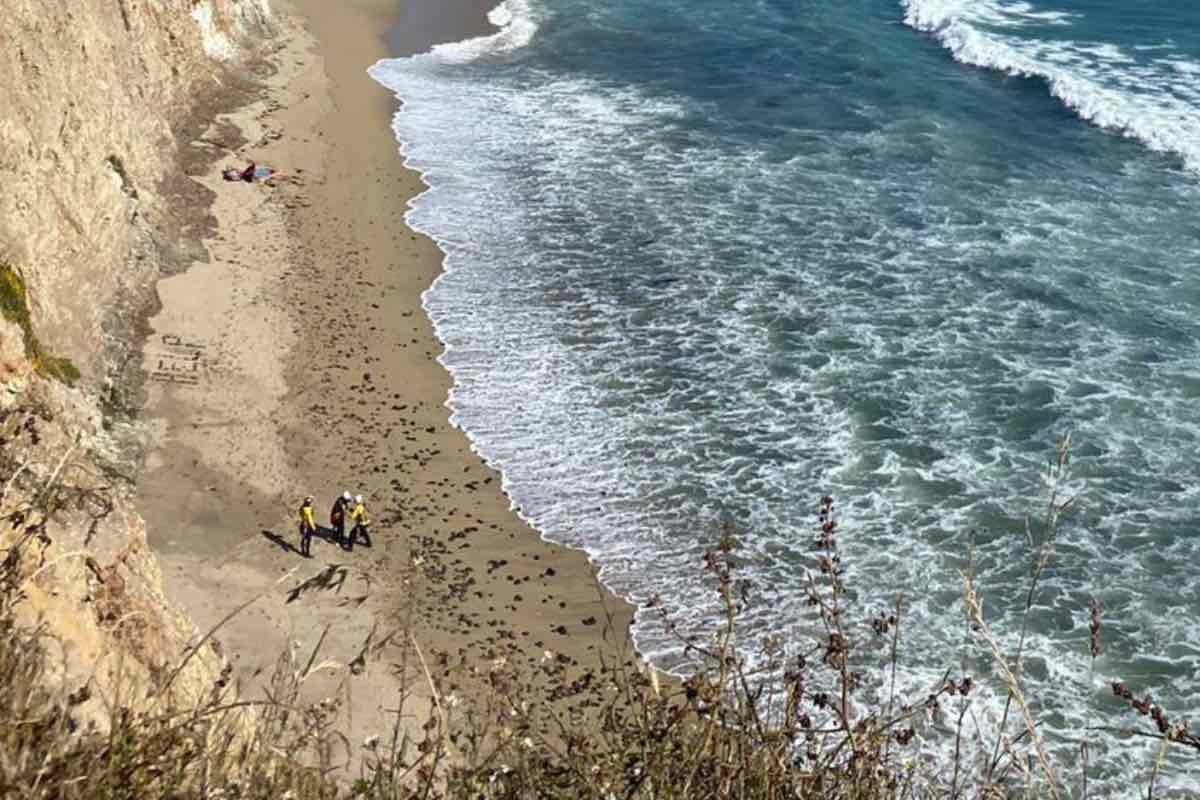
(702, 266)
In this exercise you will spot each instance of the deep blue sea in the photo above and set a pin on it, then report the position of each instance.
(714, 259)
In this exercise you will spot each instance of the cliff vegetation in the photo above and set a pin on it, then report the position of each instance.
(93, 95)
(15, 308)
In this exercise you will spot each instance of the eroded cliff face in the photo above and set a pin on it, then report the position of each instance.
(92, 97)
(90, 93)
(71, 537)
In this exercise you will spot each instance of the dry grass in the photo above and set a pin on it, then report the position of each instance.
(780, 722)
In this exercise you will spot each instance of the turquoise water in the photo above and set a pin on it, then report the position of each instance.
(711, 259)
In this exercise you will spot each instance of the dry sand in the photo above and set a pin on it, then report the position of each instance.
(297, 360)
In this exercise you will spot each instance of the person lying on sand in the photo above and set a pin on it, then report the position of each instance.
(252, 172)
(234, 174)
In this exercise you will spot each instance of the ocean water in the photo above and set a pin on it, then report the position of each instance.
(712, 260)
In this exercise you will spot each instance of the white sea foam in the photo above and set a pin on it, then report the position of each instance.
(517, 24)
(929, 14)
(1100, 82)
(798, 333)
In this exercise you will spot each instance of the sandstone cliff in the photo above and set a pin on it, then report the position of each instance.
(92, 98)
(91, 92)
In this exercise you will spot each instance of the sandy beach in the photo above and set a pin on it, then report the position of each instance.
(296, 359)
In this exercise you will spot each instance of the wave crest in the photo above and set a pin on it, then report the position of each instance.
(1155, 102)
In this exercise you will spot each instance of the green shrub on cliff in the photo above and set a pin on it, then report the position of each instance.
(15, 308)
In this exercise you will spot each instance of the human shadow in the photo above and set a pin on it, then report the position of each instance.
(284, 544)
(326, 534)
(323, 533)
(330, 579)
(359, 537)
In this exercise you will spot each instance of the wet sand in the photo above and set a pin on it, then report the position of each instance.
(421, 25)
(298, 360)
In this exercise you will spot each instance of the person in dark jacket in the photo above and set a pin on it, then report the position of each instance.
(337, 517)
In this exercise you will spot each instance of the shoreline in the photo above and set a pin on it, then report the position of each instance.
(315, 370)
(418, 27)
(464, 485)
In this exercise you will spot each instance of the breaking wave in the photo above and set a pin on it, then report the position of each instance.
(1153, 100)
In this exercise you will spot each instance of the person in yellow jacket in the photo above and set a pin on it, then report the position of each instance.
(308, 526)
(359, 523)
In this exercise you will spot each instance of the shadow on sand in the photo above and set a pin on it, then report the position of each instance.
(324, 534)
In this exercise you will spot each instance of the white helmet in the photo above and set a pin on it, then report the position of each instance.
(345, 495)
(358, 498)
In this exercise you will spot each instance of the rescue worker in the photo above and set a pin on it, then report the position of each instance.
(308, 527)
(360, 523)
(337, 517)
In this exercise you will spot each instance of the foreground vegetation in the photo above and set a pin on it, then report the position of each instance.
(777, 720)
